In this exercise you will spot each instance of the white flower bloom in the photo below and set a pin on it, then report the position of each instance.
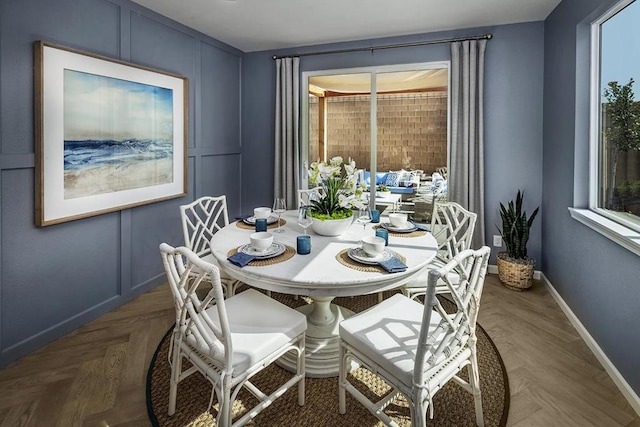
(348, 193)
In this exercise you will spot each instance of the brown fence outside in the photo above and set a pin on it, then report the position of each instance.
(412, 130)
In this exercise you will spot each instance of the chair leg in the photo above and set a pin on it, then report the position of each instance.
(342, 377)
(225, 406)
(300, 370)
(418, 414)
(176, 368)
(474, 380)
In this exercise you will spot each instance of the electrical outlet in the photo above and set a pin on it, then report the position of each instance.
(497, 241)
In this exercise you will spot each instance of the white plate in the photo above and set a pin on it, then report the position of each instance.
(406, 229)
(272, 251)
(252, 220)
(359, 255)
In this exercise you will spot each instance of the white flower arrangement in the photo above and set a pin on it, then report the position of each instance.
(339, 192)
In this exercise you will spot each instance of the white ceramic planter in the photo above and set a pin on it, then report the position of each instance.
(331, 227)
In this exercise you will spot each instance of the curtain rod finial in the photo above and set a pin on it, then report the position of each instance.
(489, 36)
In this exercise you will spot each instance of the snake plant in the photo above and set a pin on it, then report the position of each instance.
(515, 227)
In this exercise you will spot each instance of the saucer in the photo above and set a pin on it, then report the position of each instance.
(359, 255)
(272, 251)
(406, 229)
(252, 220)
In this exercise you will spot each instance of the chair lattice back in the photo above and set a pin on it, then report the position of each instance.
(453, 227)
(306, 196)
(185, 273)
(201, 219)
(455, 330)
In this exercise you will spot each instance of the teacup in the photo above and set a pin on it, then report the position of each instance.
(373, 245)
(261, 241)
(398, 220)
(261, 212)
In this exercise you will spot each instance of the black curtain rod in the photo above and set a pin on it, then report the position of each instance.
(387, 46)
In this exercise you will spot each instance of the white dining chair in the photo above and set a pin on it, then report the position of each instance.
(200, 220)
(453, 228)
(230, 340)
(418, 348)
(305, 196)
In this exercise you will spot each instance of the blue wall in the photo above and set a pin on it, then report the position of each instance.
(513, 111)
(70, 273)
(597, 278)
(57, 278)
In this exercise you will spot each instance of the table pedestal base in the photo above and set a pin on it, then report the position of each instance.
(322, 341)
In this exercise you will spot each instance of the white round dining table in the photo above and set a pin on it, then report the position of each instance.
(322, 277)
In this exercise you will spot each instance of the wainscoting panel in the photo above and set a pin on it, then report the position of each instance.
(219, 115)
(222, 175)
(55, 279)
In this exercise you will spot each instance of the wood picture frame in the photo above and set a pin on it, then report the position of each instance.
(109, 135)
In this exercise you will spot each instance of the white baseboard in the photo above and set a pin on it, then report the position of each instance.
(608, 366)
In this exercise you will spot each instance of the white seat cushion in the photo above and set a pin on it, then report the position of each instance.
(388, 334)
(259, 326)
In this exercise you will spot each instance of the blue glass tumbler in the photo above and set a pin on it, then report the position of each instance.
(382, 232)
(375, 216)
(303, 245)
(261, 224)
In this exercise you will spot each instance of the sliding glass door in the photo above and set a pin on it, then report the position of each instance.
(388, 119)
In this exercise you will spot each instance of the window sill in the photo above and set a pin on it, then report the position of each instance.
(623, 236)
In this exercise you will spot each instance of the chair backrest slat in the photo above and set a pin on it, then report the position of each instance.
(306, 196)
(453, 228)
(185, 272)
(201, 219)
(456, 329)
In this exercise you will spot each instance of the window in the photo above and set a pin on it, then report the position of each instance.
(614, 157)
(615, 187)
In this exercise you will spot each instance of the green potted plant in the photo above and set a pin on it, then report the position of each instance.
(382, 188)
(515, 268)
(337, 196)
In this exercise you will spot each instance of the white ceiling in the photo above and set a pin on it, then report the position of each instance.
(254, 25)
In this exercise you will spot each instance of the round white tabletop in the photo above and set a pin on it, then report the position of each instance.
(322, 277)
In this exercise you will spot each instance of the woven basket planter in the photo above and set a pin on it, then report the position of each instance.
(515, 275)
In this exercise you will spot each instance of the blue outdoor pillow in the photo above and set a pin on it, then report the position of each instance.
(393, 179)
(381, 178)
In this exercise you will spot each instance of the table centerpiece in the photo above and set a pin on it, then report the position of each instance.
(337, 195)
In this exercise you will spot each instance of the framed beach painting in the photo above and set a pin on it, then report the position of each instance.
(109, 135)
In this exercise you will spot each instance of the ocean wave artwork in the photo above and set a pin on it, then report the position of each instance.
(118, 135)
(103, 166)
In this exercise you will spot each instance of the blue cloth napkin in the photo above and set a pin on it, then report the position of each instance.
(393, 265)
(421, 227)
(241, 259)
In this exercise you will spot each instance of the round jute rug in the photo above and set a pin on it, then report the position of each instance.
(452, 405)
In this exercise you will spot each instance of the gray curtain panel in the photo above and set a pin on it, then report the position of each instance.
(466, 176)
(287, 149)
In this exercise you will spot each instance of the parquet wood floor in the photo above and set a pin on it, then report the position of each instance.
(96, 375)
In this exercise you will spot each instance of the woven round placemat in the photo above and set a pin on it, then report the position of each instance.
(453, 407)
(288, 253)
(417, 233)
(245, 226)
(343, 258)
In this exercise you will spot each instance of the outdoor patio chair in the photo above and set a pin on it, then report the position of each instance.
(228, 341)
(416, 349)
